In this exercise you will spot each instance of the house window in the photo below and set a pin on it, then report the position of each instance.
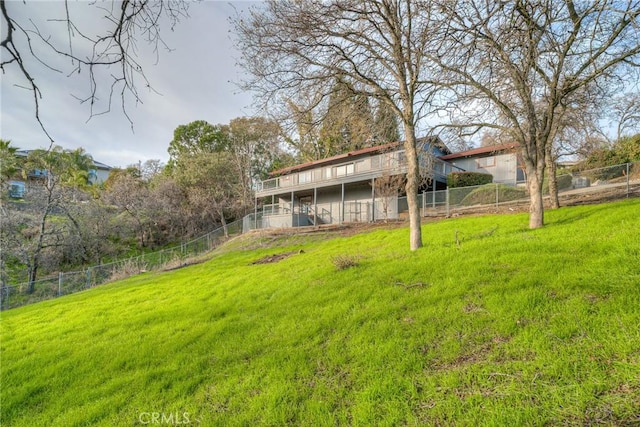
(375, 162)
(486, 162)
(327, 173)
(363, 166)
(344, 170)
(304, 177)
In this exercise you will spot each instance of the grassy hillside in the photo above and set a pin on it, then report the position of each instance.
(490, 324)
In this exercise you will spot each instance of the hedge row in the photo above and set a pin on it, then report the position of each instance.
(468, 179)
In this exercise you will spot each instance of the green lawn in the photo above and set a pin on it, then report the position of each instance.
(489, 324)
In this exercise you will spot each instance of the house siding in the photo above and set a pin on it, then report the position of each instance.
(503, 167)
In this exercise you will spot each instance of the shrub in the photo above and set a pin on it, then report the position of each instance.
(468, 179)
(625, 150)
(342, 262)
(607, 173)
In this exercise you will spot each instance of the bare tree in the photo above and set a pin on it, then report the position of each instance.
(625, 114)
(294, 51)
(576, 133)
(253, 145)
(386, 188)
(34, 235)
(131, 194)
(514, 66)
(27, 41)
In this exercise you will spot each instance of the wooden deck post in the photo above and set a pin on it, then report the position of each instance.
(373, 200)
(293, 215)
(315, 206)
(342, 203)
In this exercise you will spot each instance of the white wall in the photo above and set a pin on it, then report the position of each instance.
(503, 167)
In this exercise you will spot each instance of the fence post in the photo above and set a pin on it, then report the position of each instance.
(433, 199)
(60, 274)
(424, 203)
(88, 277)
(627, 180)
(497, 195)
(447, 201)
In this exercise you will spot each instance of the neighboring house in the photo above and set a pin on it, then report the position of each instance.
(340, 188)
(99, 173)
(17, 187)
(501, 161)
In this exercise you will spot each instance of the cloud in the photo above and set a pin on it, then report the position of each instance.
(193, 82)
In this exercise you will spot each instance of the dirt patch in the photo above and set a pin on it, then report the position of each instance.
(275, 257)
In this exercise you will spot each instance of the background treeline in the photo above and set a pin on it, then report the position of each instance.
(63, 221)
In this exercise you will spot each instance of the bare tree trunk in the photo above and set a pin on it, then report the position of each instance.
(415, 229)
(536, 207)
(33, 274)
(224, 225)
(552, 178)
(35, 262)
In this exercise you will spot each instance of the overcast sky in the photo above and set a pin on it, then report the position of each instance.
(194, 82)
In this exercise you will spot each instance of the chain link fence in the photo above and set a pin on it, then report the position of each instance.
(606, 183)
(74, 281)
(611, 182)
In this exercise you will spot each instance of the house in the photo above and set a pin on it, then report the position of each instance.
(99, 173)
(501, 161)
(17, 187)
(341, 188)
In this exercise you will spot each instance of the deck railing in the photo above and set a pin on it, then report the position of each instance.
(392, 163)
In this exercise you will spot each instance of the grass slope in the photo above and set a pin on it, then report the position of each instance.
(506, 326)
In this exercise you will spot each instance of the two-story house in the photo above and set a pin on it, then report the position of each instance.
(341, 188)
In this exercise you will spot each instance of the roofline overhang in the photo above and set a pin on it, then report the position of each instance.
(369, 150)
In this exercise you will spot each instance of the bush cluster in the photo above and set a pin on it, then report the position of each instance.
(468, 179)
(625, 150)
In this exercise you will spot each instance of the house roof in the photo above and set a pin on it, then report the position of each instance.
(482, 150)
(369, 150)
(97, 164)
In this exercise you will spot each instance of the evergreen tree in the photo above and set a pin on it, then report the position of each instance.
(386, 124)
(347, 122)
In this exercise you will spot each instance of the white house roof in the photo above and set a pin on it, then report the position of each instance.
(97, 164)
